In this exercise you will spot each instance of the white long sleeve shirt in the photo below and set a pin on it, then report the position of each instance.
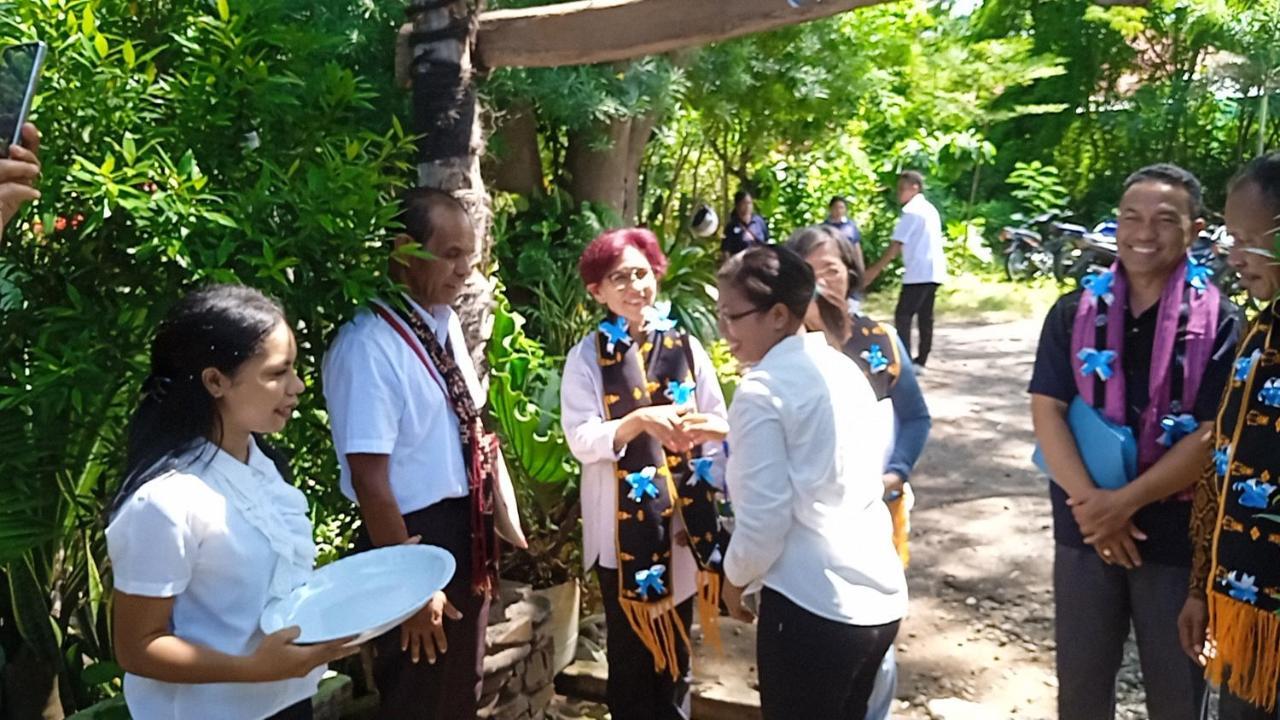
(806, 455)
(590, 439)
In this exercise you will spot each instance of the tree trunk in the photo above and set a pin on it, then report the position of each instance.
(637, 141)
(515, 163)
(445, 114)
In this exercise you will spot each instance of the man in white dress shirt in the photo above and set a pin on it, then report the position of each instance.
(401, 392)
(918, 239)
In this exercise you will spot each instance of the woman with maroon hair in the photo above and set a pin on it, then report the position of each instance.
(643, 413)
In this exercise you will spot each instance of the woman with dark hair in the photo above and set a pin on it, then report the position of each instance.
(745, 228)
(804, 471)
(206, 530)
(643, 412)
(880, 354)
(1232, 603)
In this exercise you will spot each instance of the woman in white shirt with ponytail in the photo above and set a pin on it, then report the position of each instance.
(806, 455)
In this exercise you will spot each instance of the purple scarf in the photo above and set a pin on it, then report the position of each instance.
(1188, 312)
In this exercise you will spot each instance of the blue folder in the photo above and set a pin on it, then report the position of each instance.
(1109, 451)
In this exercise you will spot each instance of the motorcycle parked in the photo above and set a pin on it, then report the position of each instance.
(1030, 252)
(1086, 252)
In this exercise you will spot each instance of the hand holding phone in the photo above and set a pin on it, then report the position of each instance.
(18, 175)
(19, 140)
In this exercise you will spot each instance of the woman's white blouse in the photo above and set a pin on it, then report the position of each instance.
(806, 456)
(179, 536)
(590, 439)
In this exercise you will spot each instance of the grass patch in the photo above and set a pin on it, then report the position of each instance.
(978, 298)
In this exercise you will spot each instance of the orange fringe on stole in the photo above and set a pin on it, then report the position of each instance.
(709, 607)
(901, 527)
(1246, 645)
(659, 628)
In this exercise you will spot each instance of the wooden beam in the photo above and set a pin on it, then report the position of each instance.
(586, 32)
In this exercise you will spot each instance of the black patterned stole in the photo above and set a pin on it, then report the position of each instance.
(653, 485)
(873, 349)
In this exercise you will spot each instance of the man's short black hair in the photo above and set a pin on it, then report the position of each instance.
(1172, 175)
(914, 177)
(836, 199)
(417, 206)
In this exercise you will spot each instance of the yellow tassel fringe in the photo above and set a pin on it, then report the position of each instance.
(1246, 650)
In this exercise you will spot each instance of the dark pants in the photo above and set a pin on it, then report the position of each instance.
(635, 690)
(812, 667)
(1095, 603)
(1231, 707)
(449, 689)
(297, 711)
(916, 300)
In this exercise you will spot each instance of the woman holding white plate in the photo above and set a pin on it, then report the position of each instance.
(206, 531)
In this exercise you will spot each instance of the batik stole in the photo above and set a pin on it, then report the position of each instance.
(1186, 328)
(872, 347)
(1244, 592)
(654, 487)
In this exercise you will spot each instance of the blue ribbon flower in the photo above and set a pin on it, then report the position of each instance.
(876, 359)
(716, 557)
(616, 333)
(651, 580)
(1254, 494)
(1100, 285)
(701, 467)
(642, 484)
(1270, 393)
(658, 318)
(1097, 361)
(1222, 459)
(1243, 366)
(1198, 274)
(680, 393)
(1243, 588)
(1176, 427)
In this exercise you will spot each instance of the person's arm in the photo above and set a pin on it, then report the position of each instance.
(1204, 517)
(873, 272)
(1058, 445)
(18, 175)
(862, 261)
(146, 646)
(371, 480)
(593, 439)
(710, 425)
(759, 484)
(912, 414)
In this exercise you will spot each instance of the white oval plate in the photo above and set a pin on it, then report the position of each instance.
(363, 595)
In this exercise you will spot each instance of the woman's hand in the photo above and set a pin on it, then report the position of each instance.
(704, 427)
(18, 174)
(733, 601)
(1193, 623)
(278, 658)
(662, 422)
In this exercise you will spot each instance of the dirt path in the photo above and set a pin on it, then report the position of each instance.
(981, 623)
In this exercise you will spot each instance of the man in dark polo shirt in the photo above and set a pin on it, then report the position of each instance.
(1122, 556)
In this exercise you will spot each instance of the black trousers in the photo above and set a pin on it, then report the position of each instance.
(1231, 707)
(812, 667)
(916, 300)
(298, 711)
(1095, 604)
(449, 689)
(635, 690)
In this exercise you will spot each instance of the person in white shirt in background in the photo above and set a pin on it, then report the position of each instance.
(205, 530)
(918, 238)
(622, 270)
(804, 473)
(403, 400)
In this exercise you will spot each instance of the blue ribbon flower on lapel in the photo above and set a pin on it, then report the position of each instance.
(1254, 494)
(1198, 274)
(1243, 587)
(1176, 427)
(1098, 362)
(615, 333)
(1243, 366)
(716, 557)
(680, 393)
(701, 467)
(1270, 393)
(1222, 460)
(875, 359)
(1099, 284)
(642, 484)
(651, 580)
(658, 317)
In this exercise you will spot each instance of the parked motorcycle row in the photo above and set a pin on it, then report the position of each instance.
(1048, 246)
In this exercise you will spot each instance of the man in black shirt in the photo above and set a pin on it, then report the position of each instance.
(1123, 556)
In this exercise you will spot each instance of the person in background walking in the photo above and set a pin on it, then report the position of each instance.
(839, 220)
(1148, 345)
(745, 228)
(1232, 573)
(918, 239)
(806, 459)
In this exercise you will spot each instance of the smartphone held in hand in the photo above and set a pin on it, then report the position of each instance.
(19, 72)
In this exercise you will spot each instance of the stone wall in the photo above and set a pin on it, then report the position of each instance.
(518, 673)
